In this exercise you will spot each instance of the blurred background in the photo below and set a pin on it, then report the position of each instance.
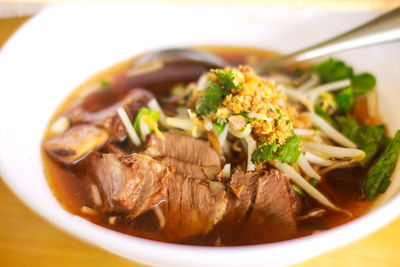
(28, 240)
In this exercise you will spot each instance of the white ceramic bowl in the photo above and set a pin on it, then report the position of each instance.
(64, 45)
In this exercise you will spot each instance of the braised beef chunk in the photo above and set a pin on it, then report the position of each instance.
(185, 149)
(108, 118)
(243, 188)
(186, 169)
(274, 209)
(131, 182)
(256, 204)
(194, 206)
(75, 143)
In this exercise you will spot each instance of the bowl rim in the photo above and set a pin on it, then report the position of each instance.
(92, 232)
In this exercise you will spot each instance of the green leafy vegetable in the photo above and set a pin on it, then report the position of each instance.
(344, 100)
(298, 190)
(370, 150)
(363, 83)
(144, 111)
(216, 92)
(288, 152)
(381, 170)
(264, 153)
(367, 137)
(226, 79)
(213, 96)
(333, 70)
(220, 127)
(384, 186)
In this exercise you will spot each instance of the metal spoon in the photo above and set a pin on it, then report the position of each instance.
(383, 29)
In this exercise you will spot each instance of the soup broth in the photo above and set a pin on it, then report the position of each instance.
(72, 184)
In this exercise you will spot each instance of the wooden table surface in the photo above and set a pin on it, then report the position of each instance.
(28, 240)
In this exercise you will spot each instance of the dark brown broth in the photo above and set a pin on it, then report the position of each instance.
(71, 184)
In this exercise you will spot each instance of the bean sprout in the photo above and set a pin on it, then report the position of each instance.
(183, 124)
(128, 127)
(331, 132)
(334, 151)
(317, 159)
(310, 83)
(153, 104)
(251, 146)
(306, 167)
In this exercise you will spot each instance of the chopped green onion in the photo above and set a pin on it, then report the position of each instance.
(298, 190)
(104, 85)
(220, 127)
(142, 112)
(313, 181)
(242, 133)
(153, 105)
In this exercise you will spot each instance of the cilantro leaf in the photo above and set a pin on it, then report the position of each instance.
(216, 92)
(288, 152)
(264, 153)
(209, 102)
(226, 79)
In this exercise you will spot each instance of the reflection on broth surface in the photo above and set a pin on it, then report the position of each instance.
(221, 157)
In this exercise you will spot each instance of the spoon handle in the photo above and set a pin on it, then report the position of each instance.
(383, 29)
